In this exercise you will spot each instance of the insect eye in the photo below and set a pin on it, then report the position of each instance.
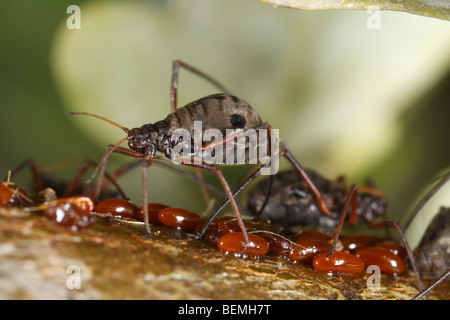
(237, 121)
(296, 192)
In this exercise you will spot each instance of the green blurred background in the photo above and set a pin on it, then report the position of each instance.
(347, 99)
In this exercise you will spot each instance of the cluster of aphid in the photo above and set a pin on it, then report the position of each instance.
(306, 247)
(318, 201)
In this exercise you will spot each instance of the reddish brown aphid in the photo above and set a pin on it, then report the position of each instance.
(387, 261)
(305, 250)
(83, 202)
(356, 241)
(117, 208)
(153, 210)
(180, 218)
(278, 245)
(393, 247)
(217, 228)
(12, 195)
(234, 243)
(68, 214)
(338, 262)
(5, 194)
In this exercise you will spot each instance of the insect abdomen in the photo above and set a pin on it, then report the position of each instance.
(215, 112)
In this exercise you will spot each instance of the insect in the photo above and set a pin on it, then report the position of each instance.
(431, 258)
(222, 121)
(14, 196)
(290, 202)
(433, 253)
(42, 183)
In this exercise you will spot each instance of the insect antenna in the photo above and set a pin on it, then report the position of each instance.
(99, 117)
(110, 149)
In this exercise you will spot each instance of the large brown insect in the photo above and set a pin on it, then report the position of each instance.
(227, 119)
(291, 204)
(433, 253)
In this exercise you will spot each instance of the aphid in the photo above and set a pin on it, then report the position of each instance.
(433, 253)
(305, 250)
(278, 245)
(41, 183)
(68, 214)
(153, 210)
(387, 261)
(235, 243)
(291, 203)
(353, 242)
(118, 207)
(14, 196)
(338, 262)
(180, 218)
(210, 117)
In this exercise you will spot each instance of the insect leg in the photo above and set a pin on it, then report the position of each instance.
(396, 225)
(445, 178)
(302, 173)
(174, 97)
(72, 185)
(441, 278)
(37, 183)
(351, 200)
(134, 154)
(235, 193)
(227, 189)
(145, 165)
(174, 83)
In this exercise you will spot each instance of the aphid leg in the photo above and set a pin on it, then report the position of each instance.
(283, 152)
(442, 181)
(396, 225)
(351, 200)
(37, 183)
(101, 168)
(302, 173)
(230, 195)
(74, 183)
(436, 282)
(266, 199)
(174, 99)
(235, 193)
(174, 84)
(145, 165)
(113, 177)
(352, 197)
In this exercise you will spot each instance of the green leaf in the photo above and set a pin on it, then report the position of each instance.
(431, 8)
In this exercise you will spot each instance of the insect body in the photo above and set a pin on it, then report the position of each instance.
(433, 252)
(215, 114)
(219, 112)
(291, 203)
